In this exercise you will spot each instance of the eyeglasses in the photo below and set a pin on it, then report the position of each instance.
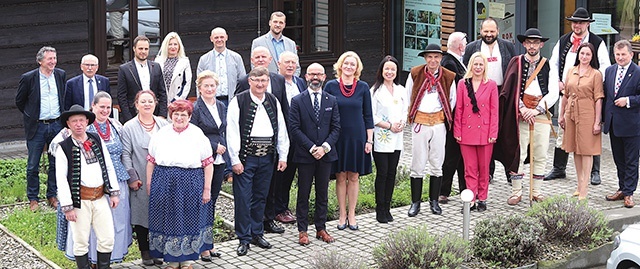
(90, 65)
(315, 74)
(259, 81)
(531, 42)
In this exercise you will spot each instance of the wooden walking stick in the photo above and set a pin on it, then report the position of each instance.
(531, 160)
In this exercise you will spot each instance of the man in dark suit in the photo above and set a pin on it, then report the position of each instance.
(452, 60)
(620, 113)
(314, 126)
(39, 98)
(81, 88)
(137, 75)
(497, 58)
(260, 57)
(294, 85)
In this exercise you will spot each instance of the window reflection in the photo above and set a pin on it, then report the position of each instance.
(119, 29)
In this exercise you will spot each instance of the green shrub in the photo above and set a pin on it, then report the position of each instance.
(566, 219)
(331, 259)
(507, 240)
(414, 247)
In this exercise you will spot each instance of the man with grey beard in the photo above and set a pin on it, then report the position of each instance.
(314, 126)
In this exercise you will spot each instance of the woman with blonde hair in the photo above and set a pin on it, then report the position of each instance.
(356, 136)
(475, 126)
(176, 68)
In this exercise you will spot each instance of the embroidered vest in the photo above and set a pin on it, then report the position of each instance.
(446, 79)
(543, 76)
(72, 152)
(565, 46)
(248, 110)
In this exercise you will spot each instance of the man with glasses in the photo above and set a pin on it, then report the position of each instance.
(529, 90)
(39, 98)
(256, 138)
(81, 89)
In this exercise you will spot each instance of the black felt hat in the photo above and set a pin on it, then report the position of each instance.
(532, 33)
(431, 48)
(76, 110)
(581, 14)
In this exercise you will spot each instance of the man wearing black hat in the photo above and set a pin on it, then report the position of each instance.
(562, 58)
(84, 173)
(433, 96)
(529, 90)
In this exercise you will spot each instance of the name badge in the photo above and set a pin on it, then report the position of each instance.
(492, 59)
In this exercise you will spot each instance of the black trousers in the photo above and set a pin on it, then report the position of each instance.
(307, 173)
(452, 162)
(386, 169)
(283, 186)
(142, 235)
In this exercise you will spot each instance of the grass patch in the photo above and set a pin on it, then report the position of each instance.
(13, 181)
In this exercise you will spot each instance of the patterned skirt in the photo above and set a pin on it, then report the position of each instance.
(180, 226)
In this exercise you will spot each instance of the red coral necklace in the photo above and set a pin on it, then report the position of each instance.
(106, 135)
(348, 92)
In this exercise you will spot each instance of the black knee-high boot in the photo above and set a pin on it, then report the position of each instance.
(380, 195)
(83, 261)
(104, 260)
(595, 171)
(560, 158)
(434, 192)
(416, 195)
(389, 185)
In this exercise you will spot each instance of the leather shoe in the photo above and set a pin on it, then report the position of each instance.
(595, 178)
(514, 200)
(617, 196)
(303, 238)
(53, 202)
(435, 207)
(261, 242)
(414, 209)
(33, 205)
(342, 226)
(628, 201)
(242, 249)
(555, 174)
(285, 218)
(324, 236)
(482, 206)
(271, 226)
(443, 199)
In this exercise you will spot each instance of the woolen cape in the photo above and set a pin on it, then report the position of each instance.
(507, 147)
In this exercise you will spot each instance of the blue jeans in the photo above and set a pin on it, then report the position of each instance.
(44, 134)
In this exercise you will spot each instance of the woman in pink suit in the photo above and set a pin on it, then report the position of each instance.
(476, 126)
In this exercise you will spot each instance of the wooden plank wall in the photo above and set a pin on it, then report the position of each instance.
(365, 34)
(26, 26)
(448, 8)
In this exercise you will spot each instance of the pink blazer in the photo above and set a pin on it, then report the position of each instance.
(476, 129)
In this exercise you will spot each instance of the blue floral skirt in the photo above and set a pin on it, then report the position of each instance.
(180, 225)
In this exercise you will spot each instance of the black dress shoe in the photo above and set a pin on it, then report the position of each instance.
(595, 178)
(414, 209)
(261, 242)
(271, 226)
(242, 249)
(435, 207)
(555, 174)
(482, 206)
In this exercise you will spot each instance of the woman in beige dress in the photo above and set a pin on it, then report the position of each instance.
(581, 115)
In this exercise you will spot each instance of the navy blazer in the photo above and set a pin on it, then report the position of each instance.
(129, 86)
(306, 132)
(74, 90)
(202, 118)
(277, 88)
(302, 85)
(624, 121)
(28, 98)
(507, 51)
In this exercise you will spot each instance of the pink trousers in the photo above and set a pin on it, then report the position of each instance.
(476, 168)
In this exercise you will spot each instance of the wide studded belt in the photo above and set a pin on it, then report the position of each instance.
(260, 146)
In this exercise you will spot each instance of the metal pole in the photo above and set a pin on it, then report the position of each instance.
(465, 221)
(258, 17)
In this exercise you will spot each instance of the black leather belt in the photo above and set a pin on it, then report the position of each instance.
(48, 121)
(222, 97)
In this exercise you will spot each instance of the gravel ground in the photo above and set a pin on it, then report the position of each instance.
(12, 253)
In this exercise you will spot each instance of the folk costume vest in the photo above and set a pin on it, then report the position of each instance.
(565, 46)
(447, 78)
(72, 152)
(543, 76)
(248, 110)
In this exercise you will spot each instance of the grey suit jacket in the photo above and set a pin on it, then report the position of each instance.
(265, 41)
(235, 68)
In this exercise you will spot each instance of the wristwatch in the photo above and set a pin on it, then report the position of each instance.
(326, 149)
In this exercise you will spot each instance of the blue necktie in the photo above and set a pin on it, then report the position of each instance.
(316, 106)
(91, 94)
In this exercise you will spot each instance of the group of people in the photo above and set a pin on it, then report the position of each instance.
(162, 169)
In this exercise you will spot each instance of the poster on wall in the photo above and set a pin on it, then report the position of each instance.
(502, 11)
(422, 22)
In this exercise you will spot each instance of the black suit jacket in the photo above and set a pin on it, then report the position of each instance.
(507, 51)
(450, 62)
(74, 90)
(129, 86)
(202, 118)
(625, 122)
(277, 89)
(306, 132)
(28, 97)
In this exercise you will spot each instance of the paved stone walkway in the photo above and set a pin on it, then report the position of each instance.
(357, 245)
